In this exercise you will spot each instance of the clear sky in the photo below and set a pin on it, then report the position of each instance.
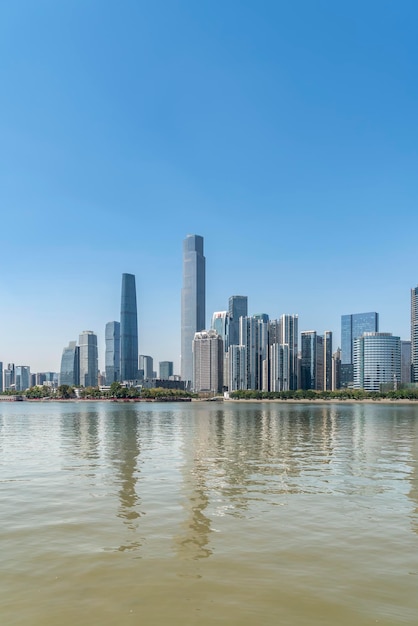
(285, 133)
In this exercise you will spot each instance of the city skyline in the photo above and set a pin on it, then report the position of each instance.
(286, 135)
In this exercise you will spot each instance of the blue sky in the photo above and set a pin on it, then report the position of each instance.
(285, 133)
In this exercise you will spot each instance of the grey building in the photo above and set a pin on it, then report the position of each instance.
(414, 334)
(112, 354)
(289, 336)
(327, 386)
(166, 369)
(406, 369)
(88, 359)
(1, 377)
(22, 377)
(377, 361)
(254, 338)
(70, 365)
(193, 303)
(146, 365)
(312, 363)
(128, 330)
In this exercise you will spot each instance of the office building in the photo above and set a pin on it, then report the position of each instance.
(1, 377)
(208, 353)
(193, 304)
(312, 363)
(22, 377)
(377, 361)
(289, 336)
(353, 326)
(237, 307)
(88, 359)
(146, 365)
(128, 330)
(166, 370)
(406, 369)
(327, 385)
(336, 370)
(254, 338)
(70, 365)
(414, 334)
(112, 353)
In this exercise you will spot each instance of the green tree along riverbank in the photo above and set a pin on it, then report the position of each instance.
(116, 391)
(311, 394)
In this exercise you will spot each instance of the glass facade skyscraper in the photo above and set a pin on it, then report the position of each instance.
(193, 303)
(377, 361)
(237, 307)
(128, 330)
(88, 359)
(70, 365)
(112, 354)
(353, 326)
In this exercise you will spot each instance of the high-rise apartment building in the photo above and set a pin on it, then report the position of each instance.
(377, 361)
(88, 359)
(1, 377)
(253, 336)
(353, 326)
(327, 385)
(289, 336)
(208, 359)
(128, 330)
(414, 334)
(70, 365)
(166, 369)
(406, 362)
(193, 304)
(112, 354)
(279, 367)
(237, 307)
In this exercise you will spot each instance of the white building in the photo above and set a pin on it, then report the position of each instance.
(377, 360)
(208, 359)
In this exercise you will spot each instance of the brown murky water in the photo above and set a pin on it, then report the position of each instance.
(238, 514)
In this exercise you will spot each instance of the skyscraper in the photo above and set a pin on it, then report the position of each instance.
(353, 326)
(327, 360)
(88, 359)
(414, 334)
(192, 301)
(146, 365)
(166, 369)
(208, 360)
(405, 362)
(377, 360)
(112, 354)
(128, 330)
(289, 336)
(1, 377)
(22, 377)
(238, 307)
(70, 365)
(312, 365)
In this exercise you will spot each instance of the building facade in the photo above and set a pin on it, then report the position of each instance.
(312, 360)
(414, 334)
(237, 307)
(128, 330)
(112, 353)
(22, 377)
(208, 353)
(353, 326)
(166, 369)
(377, 361)
(193, 301)
(89, 365)
(327, 385)
(146, 366)
(406, 361)
(70, 366)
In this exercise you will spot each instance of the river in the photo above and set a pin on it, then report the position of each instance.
(208, 513)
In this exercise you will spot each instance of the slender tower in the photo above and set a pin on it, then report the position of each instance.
(192, 301)
(128, 330)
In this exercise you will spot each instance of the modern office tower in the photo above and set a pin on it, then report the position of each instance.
(11, 368)
(166, 370)
(254, 337)
(32, 381)
(279, 367)
(193, 306)
(128, 330)
(406, 362)
(353, 326)
(289, 336)
(1, 377)
(146, 364)
(40, 378)
(327, 385)
(414, 334)
(112, 354)
(312, 365)
(7, 379)
(377, 360)
(70, 365)
(336, 369)
(236, 368)
(22, 377)
(208, 359)
(88, 359)
(220, 323)
(237, 307)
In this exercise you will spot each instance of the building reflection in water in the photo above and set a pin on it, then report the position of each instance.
(193, 540)
(80, 435)
(123, 448)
